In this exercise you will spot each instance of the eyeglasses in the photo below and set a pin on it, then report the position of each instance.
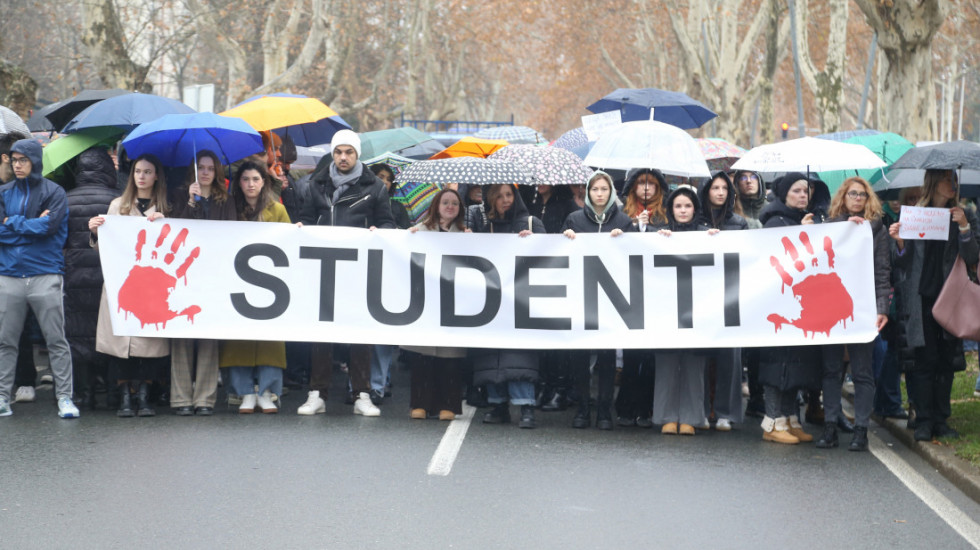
(748, 177)
(857, 194)
(19, 160)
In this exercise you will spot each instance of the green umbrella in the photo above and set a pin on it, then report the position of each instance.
(407, 142)
(60, 151)
(888, 146)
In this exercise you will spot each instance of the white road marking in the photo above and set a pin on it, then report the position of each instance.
(944, 508)
(445, 455)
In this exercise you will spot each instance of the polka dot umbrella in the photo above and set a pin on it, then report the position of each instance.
(465, 170)
(547, 165)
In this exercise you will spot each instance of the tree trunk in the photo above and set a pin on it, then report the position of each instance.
(827, 85)
(905, 30)
(18, 91)
(103, 37)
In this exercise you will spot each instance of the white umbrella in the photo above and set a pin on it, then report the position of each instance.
(649, 144)
(808, 155)
(12, 125)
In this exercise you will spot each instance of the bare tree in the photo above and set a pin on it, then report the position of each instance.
(905, 32)
(827, 85)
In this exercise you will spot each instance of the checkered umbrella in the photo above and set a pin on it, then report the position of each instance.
(12, 125)
(513, 134)
(547, 165)
(468, 170)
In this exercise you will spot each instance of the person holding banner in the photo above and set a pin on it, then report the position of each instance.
(436, 382)
(344, 192)
(508, 374)
(135, 361)
(202, 197)
(678, 399)
(254, 363)
(599, 215)
(783, 371)
(855, 201)
(644, 196)
(922, 268)
(723, 391)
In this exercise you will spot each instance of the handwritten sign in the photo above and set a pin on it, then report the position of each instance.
(928, 224)
(595, 125)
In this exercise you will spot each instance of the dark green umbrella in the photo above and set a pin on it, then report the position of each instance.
(406, 142)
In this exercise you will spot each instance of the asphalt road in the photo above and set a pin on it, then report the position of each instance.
(344, 481)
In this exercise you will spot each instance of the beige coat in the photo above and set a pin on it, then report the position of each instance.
(125, 346)
(437, 351)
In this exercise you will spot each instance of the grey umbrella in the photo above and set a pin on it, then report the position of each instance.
(12, 125)
(954, 155)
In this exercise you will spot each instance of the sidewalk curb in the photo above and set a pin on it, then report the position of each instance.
(958, 471)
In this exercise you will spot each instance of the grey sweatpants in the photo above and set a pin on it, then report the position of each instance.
(43, 293)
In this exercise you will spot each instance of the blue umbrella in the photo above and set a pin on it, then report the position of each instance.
(126, 112)
(674, 108)
(176, 139)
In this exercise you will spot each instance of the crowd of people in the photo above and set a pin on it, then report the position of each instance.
(51, 285)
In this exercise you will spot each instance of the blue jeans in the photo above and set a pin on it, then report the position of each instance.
(520, 392)
(243, 379)
(888, 379)
(380, 366)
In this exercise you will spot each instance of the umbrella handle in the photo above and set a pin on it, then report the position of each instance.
(196, 197)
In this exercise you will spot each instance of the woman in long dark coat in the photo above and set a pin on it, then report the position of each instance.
(921, 269)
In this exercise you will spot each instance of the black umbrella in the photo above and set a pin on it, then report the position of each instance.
(955, 155)
(39, 120)
(68, 108)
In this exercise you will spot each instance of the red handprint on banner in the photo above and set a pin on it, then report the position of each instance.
(146, 291)
(822, 296)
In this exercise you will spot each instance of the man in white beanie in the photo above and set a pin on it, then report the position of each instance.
(345, 193)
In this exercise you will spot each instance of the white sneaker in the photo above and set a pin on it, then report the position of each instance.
(704, 425)
(364, 406)
(67, 409)
(25, 394)
(723, 425)
(5, 407)
(265, 403)
(314, 405)
(248, 404)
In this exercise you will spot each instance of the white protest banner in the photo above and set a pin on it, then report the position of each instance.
(268, 281)
(595, 125)
(920, 223)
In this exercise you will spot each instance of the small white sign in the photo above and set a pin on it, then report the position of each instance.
(924, 224)
(596, 125)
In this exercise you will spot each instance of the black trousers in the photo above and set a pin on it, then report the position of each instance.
(932, 374)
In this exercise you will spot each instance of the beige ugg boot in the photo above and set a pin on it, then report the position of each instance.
(776, 430)
(796, 429)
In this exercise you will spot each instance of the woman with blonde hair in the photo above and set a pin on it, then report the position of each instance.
(856, 202)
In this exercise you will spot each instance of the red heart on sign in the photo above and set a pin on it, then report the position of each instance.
(921, 235)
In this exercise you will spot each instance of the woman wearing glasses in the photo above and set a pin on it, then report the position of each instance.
(856, 202)
(751, 196)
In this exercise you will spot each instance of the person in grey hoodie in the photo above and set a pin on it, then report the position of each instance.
(599, 215)
(751, 196)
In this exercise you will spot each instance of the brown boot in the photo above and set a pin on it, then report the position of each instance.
(796, 429)
(777, 431)
(669, 428)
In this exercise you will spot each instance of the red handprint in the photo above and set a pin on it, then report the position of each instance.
(822, 296)
(146, 291)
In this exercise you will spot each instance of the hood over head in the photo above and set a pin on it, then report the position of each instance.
(707, 207)
(517, 210)
(610, 204)
(31, 149)
(95, 167)
(689, 192)
(637, 172)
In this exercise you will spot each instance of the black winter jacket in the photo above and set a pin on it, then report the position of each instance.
(720, 218)
(586, 221)
(555, 210)
(515, 220)
(95, 188)
(364, 204)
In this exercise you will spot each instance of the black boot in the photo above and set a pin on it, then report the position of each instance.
(125, 409)
(923, 431)
(829, 438)
(844, 424)
(527, 417)
(583, 417)
(556, 401)
(603, 418)
(143, 401)
(500, 414)
(860, 440)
